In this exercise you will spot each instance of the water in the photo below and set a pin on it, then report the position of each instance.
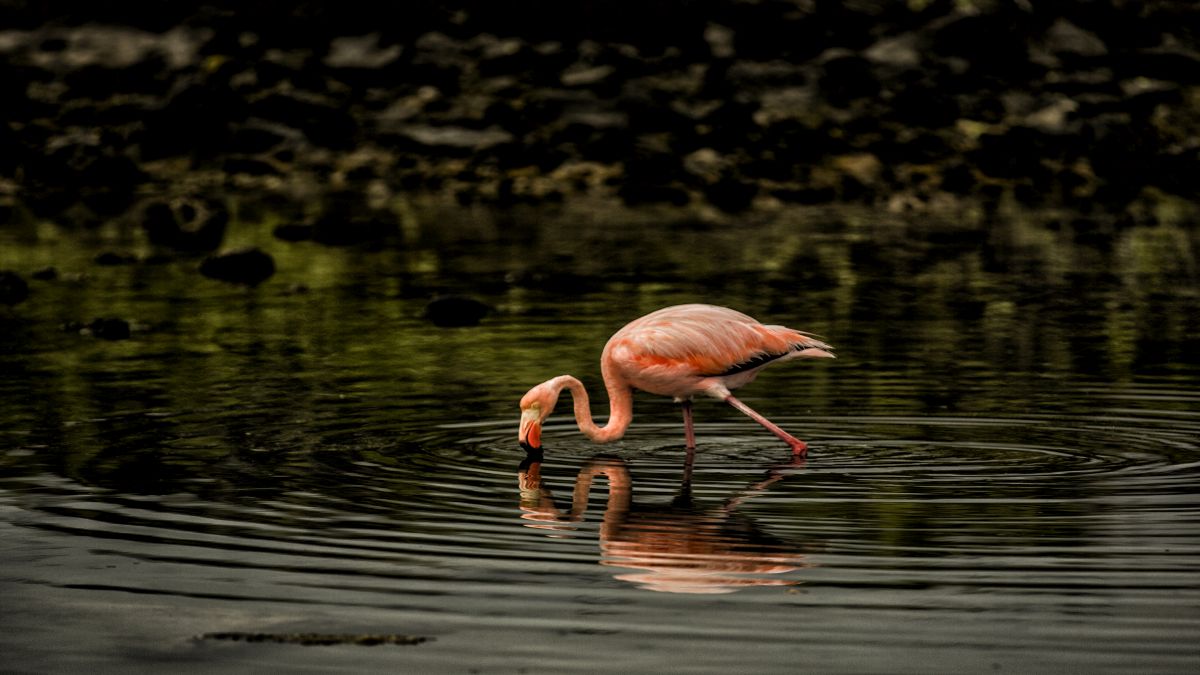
(1002, 476)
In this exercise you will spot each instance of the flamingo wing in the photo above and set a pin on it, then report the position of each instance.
(670, 350)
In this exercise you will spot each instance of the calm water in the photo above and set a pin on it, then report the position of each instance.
(1003, 475)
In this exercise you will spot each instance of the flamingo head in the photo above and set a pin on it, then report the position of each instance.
(536, 406)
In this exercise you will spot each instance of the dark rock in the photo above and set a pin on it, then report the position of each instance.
(13, 289)
(196, 119)
(109, 329)
(249, 166)
(323, 120)
(923, 107)
(114, 258)
(254, 140)
(731, 194)
(80, 169)
(506, 56)
(1013, 153)
(806, 195)
(990, 44)
(653, 173)
(1170, 64)
(248, 266)
(958, 179)
(449, 311)
(635, 193)
(12, 149)
(45, 274)
(186, 224)
(845, 77)
(293, 232)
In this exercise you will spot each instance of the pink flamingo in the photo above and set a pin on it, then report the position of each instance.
(678, 351)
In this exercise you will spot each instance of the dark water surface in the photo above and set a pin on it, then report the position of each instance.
(1003, 474)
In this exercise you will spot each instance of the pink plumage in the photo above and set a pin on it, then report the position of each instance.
(678, 351)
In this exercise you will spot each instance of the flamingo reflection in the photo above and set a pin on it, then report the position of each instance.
(678, 547)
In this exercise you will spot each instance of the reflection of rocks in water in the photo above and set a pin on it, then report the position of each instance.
(450, 311)
(188, 224)
(109, 328)
(13, 289)
(247, 266)
(681, 547)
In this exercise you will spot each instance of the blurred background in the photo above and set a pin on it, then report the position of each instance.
(729, 106)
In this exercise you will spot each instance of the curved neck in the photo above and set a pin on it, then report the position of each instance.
(538, 504)
(620, 407)
(620, 489)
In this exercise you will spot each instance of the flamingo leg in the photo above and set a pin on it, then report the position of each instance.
(688, 463)
(689, 431)
(799, 447)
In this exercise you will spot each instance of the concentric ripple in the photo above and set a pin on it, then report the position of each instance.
(960, 526)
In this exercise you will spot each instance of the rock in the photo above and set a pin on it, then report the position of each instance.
(846, 76)
(499, 56)
(254, 139)
(1172, 64)
(587, 76)
(899, 52)
(453, 139)
(731, 194)
(1064, 37)
(362, 51)
(186, 224)
(109, 329)
(1052, 119)
(324, 121)
(706, 164)
(249, 166)
(653, 172)
(13, 289)
(248, 266)
(293, 232)
(80, 168)
(1015, 153)
(984, 44)
(196, 119)
(449, 311)
(114, 258)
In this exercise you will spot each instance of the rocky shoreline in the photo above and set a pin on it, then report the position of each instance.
(725, 106)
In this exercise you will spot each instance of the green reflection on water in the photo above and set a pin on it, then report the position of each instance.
(978, 315)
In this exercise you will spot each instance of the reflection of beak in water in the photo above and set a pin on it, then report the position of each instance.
(681, 547)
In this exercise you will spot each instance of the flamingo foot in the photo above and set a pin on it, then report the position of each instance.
(799, 448)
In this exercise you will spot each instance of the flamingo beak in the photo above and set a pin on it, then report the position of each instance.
(530, 435)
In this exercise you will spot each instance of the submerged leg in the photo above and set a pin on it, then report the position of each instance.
(688, 432)
(799, 447)
(688, 463)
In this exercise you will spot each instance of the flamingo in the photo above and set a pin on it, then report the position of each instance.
(678, 351)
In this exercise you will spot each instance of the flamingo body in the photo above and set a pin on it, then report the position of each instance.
(686, 350)
(678, 351)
